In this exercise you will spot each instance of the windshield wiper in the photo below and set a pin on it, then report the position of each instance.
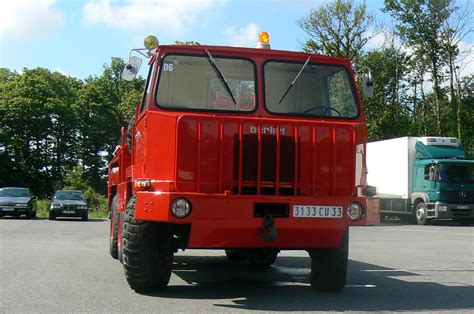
(294, 81)
(221, 76)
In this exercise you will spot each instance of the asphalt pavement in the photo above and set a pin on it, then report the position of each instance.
(64, 266)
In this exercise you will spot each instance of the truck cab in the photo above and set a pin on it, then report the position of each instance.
(251, 151)
(443, 183)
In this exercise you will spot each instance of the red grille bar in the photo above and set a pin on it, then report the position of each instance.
(295, 186)
(277, 179)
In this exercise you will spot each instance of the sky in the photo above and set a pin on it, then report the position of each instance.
(77, 37)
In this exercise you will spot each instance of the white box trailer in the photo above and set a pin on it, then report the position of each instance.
(390, 165)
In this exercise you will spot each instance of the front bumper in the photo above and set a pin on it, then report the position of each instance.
(440, 210)
(227, 221)
(8, 210)
(70, 212)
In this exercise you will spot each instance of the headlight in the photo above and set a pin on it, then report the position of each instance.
(81, 207)
(443, 208)
(354, 211)
(180, 207)
(55, 206)
(21, 205)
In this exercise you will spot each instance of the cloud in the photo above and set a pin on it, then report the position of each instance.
(245, 37)
(173, 16)
(29, 18)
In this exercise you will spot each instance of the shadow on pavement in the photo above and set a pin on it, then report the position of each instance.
(284, 287)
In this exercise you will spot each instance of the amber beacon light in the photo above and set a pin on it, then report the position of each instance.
(263, 41)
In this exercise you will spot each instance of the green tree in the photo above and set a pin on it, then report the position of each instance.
(418, 23)
(37, 133)
(388, 111)
(338, 28)
(104, 105)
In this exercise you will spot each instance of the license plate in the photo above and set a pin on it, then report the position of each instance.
(317, 211)
(69, 212)
(463, 207)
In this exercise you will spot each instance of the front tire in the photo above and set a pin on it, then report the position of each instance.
(51, 216)
(421, 217)
(263, 258)
(329, 267)
(147, 265)
(235, 255)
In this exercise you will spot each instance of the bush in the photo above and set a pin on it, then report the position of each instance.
(42, 206)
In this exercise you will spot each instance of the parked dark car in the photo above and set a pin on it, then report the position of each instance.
(68, 203)
(17, 202)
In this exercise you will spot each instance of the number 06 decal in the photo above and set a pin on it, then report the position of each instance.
(168, 67)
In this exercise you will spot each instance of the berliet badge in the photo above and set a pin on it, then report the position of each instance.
(462, 194)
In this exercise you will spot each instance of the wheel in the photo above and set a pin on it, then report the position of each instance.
(263, 257)
(235, 255)
(85, 217)
(329, 267)
(113, 243)
(146, 263)
(33, 214)
(420, 214)
(28, 215)
(51, 216)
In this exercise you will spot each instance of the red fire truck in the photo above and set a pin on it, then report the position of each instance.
(251, 151)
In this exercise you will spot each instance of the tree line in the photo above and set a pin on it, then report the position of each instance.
(57, 129)
(52, 123)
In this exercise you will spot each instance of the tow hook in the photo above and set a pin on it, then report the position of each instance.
(268, 232)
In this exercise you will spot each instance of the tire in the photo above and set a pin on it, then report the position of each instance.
(147, 266)
(113, 243)
(28, 215)
(85, 217)
(51, 216)
(329, 267)
(235, 255)
(33, 214)
(420, 214)
(263, 258)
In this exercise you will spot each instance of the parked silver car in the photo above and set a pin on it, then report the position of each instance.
(16, 202)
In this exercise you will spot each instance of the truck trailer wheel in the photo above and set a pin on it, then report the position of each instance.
(329, 267)
(421, 214)
(147, 267)
(113, 243)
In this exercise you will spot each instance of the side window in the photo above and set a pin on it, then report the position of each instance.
(146, 95)
(429, 172)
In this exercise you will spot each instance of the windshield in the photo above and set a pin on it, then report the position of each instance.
(69, 195)
(14, 193)
(461, 173)
(316, 90)
(206, 83)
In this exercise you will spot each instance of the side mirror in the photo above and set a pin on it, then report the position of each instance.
(367, 86)
(131, 69)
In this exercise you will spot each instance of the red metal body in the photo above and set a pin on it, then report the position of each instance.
(225, 163)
